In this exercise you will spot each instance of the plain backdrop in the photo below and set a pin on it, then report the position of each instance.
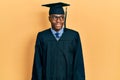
(97, 21)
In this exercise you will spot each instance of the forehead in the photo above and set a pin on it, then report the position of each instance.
(57, 15)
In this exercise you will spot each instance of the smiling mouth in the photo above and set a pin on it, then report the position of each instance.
(58, 23)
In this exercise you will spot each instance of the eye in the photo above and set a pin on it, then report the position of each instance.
(57, 17)
(54, 17)
(61, 17)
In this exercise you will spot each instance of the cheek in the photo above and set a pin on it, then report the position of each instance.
(62, 21)
(51, 21)
(55, 22)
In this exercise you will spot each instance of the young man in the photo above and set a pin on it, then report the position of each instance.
(58, 52)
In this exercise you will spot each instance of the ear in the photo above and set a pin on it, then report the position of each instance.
(49, 18)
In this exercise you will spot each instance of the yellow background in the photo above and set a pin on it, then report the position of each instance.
(98, 22)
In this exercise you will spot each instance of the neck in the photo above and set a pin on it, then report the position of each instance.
(57, 29)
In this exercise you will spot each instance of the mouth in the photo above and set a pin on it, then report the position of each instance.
(58, 24)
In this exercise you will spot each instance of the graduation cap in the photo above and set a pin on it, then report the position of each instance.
(57, 8)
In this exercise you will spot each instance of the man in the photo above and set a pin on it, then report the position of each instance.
(58, 52)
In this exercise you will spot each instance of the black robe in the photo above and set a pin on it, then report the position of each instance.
(58, 60)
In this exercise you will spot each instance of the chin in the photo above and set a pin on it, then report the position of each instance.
(58, 28)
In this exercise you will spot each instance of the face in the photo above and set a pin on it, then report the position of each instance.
(57, 21)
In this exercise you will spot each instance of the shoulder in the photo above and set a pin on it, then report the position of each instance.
(71, 31)
(43, 33)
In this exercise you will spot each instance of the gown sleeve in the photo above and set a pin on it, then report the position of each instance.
(37, 63)
(79, 73)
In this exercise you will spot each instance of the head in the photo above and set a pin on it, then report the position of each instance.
(56, 15)
(57, 21)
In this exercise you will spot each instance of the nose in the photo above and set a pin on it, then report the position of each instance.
(58, 20)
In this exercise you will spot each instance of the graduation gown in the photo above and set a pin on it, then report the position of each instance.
(58, 60)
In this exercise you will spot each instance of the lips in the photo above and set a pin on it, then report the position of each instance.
(58, 24)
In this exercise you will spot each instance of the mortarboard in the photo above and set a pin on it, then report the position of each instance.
(57, 8)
